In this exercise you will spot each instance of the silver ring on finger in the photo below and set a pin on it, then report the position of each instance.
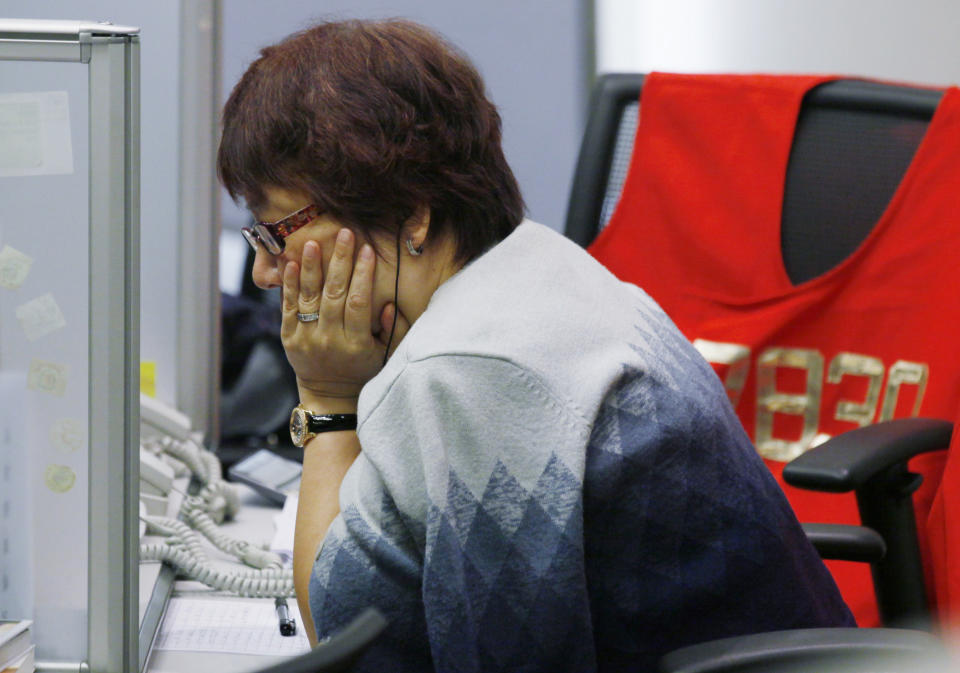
(308, 317)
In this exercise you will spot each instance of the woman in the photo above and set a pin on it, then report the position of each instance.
(544, 474)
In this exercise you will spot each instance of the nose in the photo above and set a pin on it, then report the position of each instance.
(266, 270)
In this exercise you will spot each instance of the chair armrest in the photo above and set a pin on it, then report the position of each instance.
(847, 461)
(845, 543)
(872, 461)
(808, 650)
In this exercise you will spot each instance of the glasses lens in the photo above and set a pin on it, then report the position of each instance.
(273, 245)
(250, 237)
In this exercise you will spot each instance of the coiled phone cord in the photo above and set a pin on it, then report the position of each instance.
(217, 500)
(250, 583)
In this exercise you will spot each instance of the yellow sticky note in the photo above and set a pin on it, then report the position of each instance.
(148, 377)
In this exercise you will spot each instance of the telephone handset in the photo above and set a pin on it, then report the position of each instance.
(156, 476)
(156, 418)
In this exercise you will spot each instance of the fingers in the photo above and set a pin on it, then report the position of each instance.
(338, 278)
(335, 355)
(291, 297)
(387, 324)
(311, 278)
(358, 309)
(343, 296)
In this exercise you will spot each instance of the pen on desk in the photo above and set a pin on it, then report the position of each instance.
(288, 626)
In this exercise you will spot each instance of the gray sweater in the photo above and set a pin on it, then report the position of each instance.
(551, 479)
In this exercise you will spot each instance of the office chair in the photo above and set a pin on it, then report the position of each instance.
(604, 155)
(258, 387)
(824, 220)
(815, 651)
(341, 652)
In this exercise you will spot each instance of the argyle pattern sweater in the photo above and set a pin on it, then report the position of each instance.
(552, 479)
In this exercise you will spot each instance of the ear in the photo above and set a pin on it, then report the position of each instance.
(417, 226)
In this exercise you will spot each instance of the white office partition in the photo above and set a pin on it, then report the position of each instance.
(69, 339)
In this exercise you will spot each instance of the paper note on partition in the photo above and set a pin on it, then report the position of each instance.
(35, 134)
(40, 317)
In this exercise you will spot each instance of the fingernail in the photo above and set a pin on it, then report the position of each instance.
(366, 252)
(343, 236)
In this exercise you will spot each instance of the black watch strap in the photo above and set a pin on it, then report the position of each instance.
(305, 425)
(317, 423)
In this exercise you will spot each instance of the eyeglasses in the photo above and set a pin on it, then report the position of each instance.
(271, 235)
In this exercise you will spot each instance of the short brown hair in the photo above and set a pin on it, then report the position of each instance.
(373, 119)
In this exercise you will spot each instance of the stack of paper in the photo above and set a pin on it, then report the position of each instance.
(228, 624)
(16, 646)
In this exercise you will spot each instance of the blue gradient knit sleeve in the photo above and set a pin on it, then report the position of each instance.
(502, 528)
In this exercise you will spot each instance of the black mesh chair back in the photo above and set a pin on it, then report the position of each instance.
(853, 143)
(604, 155)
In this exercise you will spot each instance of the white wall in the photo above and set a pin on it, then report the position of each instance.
(909, 40)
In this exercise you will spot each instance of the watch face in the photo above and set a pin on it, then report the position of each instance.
(298, 426)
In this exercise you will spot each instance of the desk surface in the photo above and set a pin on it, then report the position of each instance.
(254, 522)
(174, 661)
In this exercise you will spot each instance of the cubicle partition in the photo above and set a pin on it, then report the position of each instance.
(69, 340)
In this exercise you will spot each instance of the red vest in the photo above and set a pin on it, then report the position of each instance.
(698, 227)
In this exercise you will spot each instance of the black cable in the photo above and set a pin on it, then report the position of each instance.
(396, 307)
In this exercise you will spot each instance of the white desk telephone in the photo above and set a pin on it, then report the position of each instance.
(169, 450)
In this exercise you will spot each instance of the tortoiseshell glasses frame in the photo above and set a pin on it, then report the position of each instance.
(271, 235)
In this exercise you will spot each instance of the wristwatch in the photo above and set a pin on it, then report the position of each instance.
(305, 425)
